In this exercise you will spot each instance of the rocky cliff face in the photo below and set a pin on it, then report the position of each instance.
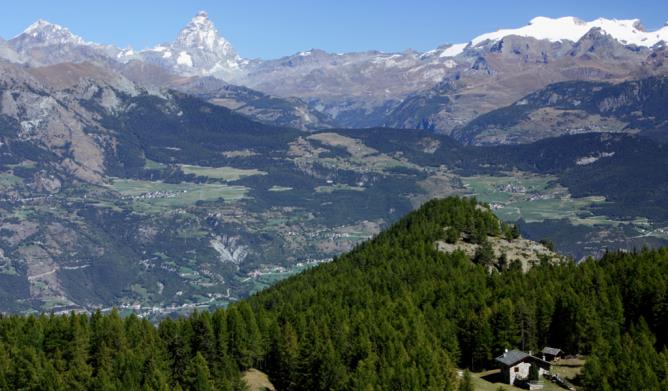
(7, 53)
(52, 121)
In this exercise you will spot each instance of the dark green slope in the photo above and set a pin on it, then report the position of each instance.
(188, 130)
(397, 287)
(393, 314)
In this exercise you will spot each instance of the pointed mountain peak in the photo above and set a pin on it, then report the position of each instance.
(40, 24)
(197, 50)
(202, 22)
(201, 34)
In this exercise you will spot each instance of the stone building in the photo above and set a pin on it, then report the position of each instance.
(516, 366)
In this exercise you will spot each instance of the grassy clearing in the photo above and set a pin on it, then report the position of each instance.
(270, 278)
(153, 165)
(241, 153)
(481, 384)
(511, 189)
(8, 269)
(140, 290)
(367, 163)
(568, 369)
(50, 303)
(191, 232)
(280, 188)
(229, 174)
(157, 195)
(355, 148)
(337, 187)
(257, 381)
(9, 181)
(488, 381)
(359, 158)
(534, 198)
(24, 213)
(357, 235)
(107, 205)
(24, 164)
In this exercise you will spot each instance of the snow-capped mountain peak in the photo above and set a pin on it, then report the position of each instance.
(202, 34)
(199, 50)
(43, 33)
(628, 32)
(45, 43)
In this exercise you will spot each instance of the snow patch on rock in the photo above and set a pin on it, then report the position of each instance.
(184, 59)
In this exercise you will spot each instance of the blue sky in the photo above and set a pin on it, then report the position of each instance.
(274, 28)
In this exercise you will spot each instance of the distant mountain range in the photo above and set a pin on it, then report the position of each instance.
(572, 107)
(184, 176)
(442, 89)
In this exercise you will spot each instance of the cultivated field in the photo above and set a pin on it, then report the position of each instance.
(228, 174)
(161, 194)
(534, 198)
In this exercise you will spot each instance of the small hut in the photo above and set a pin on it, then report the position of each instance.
(552, 354)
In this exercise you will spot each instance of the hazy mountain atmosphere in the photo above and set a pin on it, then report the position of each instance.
(489, 213)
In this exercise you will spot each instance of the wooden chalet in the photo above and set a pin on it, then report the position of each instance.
(552, 354)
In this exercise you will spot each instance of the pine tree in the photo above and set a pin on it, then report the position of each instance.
(198, 375)
(484, 254)
(466, 383)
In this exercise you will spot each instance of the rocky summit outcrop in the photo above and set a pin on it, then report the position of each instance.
(505, 251)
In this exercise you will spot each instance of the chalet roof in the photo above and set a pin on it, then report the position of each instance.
(512, 357)
(551, 351)
(541, 363)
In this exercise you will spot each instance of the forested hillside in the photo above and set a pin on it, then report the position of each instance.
(393, 314)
